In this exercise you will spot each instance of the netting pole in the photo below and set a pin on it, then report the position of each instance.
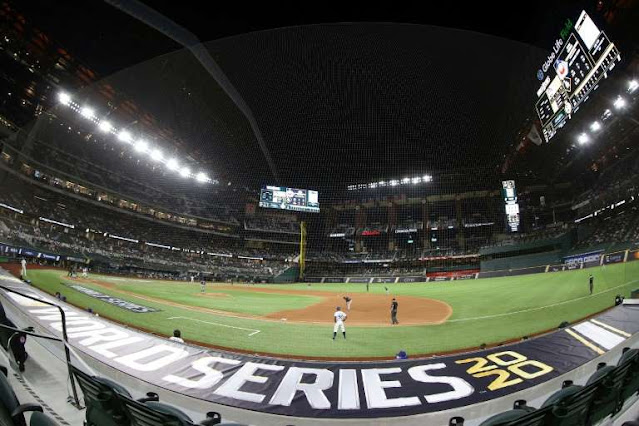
(302, 260)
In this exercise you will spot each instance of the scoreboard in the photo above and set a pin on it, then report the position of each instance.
(279, 197)
(509, 192)
(579, 60)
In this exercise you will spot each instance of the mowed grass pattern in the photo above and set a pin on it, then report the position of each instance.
(484, 311)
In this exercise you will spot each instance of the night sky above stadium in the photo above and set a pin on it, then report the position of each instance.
(361, 102)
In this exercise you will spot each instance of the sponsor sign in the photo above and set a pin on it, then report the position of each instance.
(512, 272)
(633, 255)
(592, 256)
(440, 278)
(325, 389)
(313, 279)
(464, 277)
(383, 280)
(129, 306)
(411, 279)
(335, 280)
(359, 280)
(614, 257)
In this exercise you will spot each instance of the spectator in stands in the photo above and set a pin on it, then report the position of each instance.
(401, 355)
(177, 336)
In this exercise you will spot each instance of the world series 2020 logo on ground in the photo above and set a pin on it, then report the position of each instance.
(509, 368)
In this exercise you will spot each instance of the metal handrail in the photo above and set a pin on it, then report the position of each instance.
(65, 338)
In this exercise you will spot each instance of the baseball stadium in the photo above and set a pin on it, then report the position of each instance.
(361, 217)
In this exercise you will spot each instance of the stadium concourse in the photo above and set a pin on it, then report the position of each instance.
(353, 222)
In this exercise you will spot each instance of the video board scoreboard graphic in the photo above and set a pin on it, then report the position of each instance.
(279, 197)
(580, 59)
(509, 192)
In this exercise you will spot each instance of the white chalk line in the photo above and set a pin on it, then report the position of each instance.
(254, 331)
(542, 307)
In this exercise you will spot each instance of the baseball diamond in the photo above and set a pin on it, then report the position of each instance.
(434, 317)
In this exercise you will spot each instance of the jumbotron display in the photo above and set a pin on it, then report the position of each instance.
(279, 197)
(580, 58)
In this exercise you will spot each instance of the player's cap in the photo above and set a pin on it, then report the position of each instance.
(338, 308)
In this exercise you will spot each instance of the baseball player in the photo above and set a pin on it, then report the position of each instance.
(202, 285)
(348, 301)
(591, 282)
(339, 318)
(393, 312)
(23, 263)
(386, 288)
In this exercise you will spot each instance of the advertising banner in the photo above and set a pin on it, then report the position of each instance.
(614, 257)
(417, 279)
(384, 279)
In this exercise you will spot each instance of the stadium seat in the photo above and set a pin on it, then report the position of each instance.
(155, 413)
(570, 405)
(41, 419)
(521, 414)
(630, 385)
(10, 404)
(608, 381)
(100, 398)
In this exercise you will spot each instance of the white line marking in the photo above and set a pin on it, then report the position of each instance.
(541, 307)
(599, 335)
(254, 331)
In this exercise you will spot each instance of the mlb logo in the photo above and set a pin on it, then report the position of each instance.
(561, 67)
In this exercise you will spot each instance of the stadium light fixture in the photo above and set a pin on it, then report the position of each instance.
(406, 180)
(416, 180)
(201, 177)
(124, 136)
(393, 182)
(185, 172)
(156, 155)
(595, 126)
(87, 112)
(64, 98)
(620, 102)
(633, 86)
(172, 164)
(427, 178)
(141, 146)
(582, 139)
(105, 126)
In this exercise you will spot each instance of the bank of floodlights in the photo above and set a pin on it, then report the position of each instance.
(392, 183)
(140, 146)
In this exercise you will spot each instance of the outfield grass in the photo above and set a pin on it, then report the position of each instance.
(487, 311)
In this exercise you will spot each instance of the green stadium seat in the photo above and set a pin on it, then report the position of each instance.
(630, 385)
(608, 381)
(155, 413)
(570, 405)
(103, 407)
(12, 410)
(520, 415)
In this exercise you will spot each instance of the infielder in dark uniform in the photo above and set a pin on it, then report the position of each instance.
(591, 282)
(348, 301)
(393, 311)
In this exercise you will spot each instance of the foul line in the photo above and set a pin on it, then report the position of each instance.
(611, 328)
(254, 331)
(585, 342)
(542, 307)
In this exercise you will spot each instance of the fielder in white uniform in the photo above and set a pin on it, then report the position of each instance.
(23, 262)
(339, 317)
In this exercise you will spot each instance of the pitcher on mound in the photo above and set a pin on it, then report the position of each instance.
(339, 318)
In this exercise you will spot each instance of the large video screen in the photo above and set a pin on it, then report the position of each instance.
(279, 197)
(580, 58)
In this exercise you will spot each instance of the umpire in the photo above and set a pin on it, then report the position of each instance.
(393, 311)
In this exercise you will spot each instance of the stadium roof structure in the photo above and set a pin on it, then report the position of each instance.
(342, 103)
